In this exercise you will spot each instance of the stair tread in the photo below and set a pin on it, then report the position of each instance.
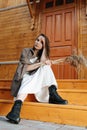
(59, 89)
(57, 105)
(73, 90)
(68, 106)
(74, 113)
(72, 80)
(65, 80)
(5, 80)
(5, 88)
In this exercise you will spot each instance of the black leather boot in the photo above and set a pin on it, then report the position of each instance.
(54, 96)
(14, 114)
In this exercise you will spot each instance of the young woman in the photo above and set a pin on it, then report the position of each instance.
(34, 76)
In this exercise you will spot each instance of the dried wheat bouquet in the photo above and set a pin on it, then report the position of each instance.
(75, 60)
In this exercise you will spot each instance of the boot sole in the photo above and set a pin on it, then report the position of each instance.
(62, 103)
(12, 120)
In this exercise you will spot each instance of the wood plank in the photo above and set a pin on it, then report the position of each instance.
(61, 114)
(62, 84)
(75, 97)
(5, 83)
(10, 3)
(5, 93)
(7, 71)
(72, 84)
(14, 28)
(56, 113)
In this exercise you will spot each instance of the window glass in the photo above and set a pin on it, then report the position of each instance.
(49, 4)
(59, 2)
(69, 1)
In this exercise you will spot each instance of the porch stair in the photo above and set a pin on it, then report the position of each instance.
(75, 113)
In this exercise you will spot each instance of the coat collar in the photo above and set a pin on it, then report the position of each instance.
(32, 51)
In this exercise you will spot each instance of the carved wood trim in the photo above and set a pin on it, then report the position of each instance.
(32, 14)
(86, 8)
(30, 10)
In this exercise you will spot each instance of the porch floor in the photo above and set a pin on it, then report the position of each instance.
(35, 125)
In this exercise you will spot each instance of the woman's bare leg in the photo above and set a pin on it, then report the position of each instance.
(21, 97)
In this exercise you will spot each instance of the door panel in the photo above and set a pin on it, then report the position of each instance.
(59, 26)
(49, 20)
(69, 27)
(60, 51)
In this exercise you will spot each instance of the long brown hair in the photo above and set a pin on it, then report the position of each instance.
(47, 46)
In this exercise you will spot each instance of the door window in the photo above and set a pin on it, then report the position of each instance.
(49, 4)
(59, 2)
(54, 3)
(69, 1)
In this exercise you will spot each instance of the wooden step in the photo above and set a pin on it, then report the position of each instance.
(5, 83)
(72, 84)
(5, 93)
(77, 96)
(62, 84)
(61, 114)
(75, 113)
(74, 96)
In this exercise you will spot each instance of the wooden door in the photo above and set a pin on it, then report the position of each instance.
(59, 26)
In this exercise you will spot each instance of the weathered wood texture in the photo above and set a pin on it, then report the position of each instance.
(7, 71)
(9, 3)
(82, 31)
(15, 33)
(75, 113)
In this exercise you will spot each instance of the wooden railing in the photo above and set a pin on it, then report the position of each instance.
(9, 62)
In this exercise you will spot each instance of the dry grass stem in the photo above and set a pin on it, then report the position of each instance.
(74, 60)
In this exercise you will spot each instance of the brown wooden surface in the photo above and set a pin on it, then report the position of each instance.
(61, 114)
(59, 26)
(7, 71)
(10, 3)
(15, 32)
(82, 43)
(75, 91)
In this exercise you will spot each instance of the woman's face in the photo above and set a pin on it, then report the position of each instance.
(39, 43)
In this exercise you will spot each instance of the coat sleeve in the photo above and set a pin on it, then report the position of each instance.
(21, 68)
(24, 62)
(24, 59)
(20, 71)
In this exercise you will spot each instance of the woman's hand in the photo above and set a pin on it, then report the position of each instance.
(48, 62)
(34, 66)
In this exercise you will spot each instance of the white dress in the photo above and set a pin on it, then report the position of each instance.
(38, 83)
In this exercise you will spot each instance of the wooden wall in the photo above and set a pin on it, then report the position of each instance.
(82, 35)
(15, 33)
(10, 3)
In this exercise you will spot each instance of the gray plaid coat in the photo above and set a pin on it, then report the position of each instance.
(26, 55)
